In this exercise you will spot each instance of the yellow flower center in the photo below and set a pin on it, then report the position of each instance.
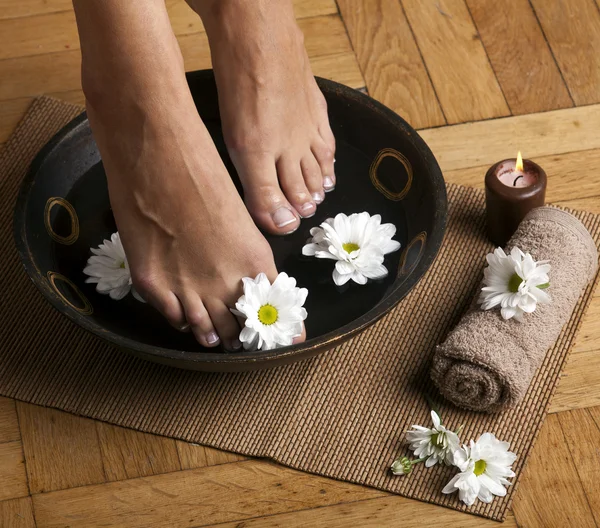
(122, 265)
(349, 247)
(480, 466)
(267, 314)
(514, 282)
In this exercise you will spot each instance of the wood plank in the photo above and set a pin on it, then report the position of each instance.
(27, 8)
(17, 513)
(13, 480)
(38, 35)
(196, 456)
(520, 56)
(375, 513)
(550, 492)
(214, 494)
(60, 71)
(50, 33)
(581, 433)
(178, 9)
(129, 454)
(461, 73)
(9, 423)
(537, 135)
(390, 60)
(61, 449)
(579, 385)
(573, 31)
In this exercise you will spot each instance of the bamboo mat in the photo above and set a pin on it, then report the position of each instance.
(341, 415)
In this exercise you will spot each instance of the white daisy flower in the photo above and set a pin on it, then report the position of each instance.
(484, 466)
(109, 269)
(357, 242)
(515, 282)
(435, 445)
(273, 312)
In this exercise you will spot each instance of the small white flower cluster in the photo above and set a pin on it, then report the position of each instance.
(514, 282)
(484, 465)
(109, 269)
(358, 243)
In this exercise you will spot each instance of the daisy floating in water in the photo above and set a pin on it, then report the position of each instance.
(109, 269)
(273, 312)
(484, 466)
(358, 244)
(514, 282)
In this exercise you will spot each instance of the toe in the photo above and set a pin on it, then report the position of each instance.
(313, 177)
(164, 300)
(225, 323)
(301, 338)
(263, 196)
(199, 320)
(290, 175)
(324, 155)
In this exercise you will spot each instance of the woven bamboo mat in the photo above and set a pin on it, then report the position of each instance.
(340, 415)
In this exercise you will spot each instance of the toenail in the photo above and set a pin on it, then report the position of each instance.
(184, 328)
(328, 183)
(283, 217)
(318, 197)
(236, 344)
(308, 209)
(212, 338)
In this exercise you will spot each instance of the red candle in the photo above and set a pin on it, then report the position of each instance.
(513, 187)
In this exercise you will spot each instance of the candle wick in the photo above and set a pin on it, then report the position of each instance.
(516, 179)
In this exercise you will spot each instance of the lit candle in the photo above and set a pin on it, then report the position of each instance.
(513, 187)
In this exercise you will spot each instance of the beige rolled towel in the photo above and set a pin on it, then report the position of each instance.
(486, 362)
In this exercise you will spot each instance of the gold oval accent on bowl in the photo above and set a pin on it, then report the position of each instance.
(390, 195)
(74, 235)
(421, 237)
(87, 309)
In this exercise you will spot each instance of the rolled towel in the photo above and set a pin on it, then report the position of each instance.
(486, 362)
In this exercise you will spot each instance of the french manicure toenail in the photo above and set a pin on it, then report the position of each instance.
(236, 344)
(212, 338)
(328, 183)
(307, 209)
(184, 328)
(318, 197)
(283, 217)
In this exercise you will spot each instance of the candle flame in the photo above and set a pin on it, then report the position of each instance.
(519, 164)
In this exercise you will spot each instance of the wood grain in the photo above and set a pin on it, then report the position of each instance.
(550, 492)
(374, 513)
(62, 449)
(579, 385)
(9, 423)
(178, 9)
(390, 60)
(581, 433)
(16, 513)
(573, 30)
(536, 135)
(224, 493)
(194, 456)
(461, 73)
(13, 480)
(520, 56)
(129, 454)
(60, 71)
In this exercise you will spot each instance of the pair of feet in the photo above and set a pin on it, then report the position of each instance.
(188, 237)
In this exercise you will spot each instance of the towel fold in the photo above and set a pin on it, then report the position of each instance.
(487, 363)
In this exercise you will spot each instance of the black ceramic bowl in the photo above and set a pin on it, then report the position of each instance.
(382, 167)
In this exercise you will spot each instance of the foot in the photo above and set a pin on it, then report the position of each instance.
(187, 235)
(274, 115)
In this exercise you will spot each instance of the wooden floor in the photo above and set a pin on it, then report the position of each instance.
(509, 74)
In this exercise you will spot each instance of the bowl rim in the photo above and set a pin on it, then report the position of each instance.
(279, 355)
